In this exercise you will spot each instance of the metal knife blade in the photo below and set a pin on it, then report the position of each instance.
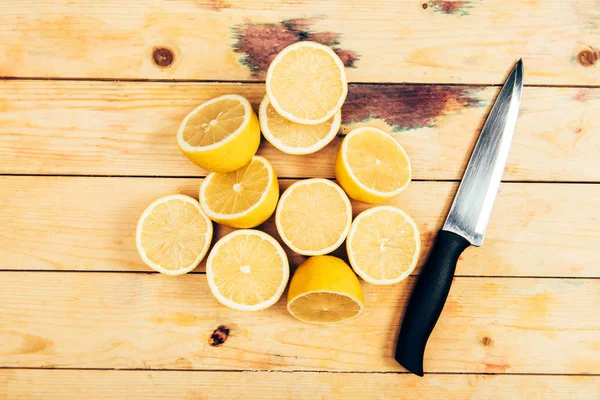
(472, 206)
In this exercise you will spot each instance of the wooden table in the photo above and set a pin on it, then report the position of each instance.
(92, 95)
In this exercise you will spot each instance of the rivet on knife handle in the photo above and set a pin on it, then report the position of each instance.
(465, 225)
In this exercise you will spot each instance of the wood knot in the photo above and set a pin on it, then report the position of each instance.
(425, 5)
(588, 57)
(486, 341)
(219, 336)
(162, 56)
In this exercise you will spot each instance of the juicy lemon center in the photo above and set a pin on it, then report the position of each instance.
(214, 123)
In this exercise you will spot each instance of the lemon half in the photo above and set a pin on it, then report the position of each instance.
(173, 234)
(221, 134)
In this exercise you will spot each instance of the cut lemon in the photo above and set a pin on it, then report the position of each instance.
(313, 216)
(293, 138)
(383, 245)
(247, 270)
(371, 165)
(173, 235)
(324, 290)
(221, 134)
(243, 198)
(306, 83)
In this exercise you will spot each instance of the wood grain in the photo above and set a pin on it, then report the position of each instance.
(111, 128)
(189, 385)
(396, 41)
(108, 320)
(88, 223)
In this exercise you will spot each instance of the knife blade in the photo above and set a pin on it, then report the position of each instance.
(465, 224)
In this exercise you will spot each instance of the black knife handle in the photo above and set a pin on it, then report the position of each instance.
(427, 300)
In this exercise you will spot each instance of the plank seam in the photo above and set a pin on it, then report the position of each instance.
(592, 278)
(142, 80)
(294, 371)
(280, 178)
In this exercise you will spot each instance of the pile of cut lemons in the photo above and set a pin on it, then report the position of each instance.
(248, 269)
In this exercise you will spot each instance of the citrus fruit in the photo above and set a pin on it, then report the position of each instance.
(383, 245)
(371, 165)
(173, 234)
(243, 198)
(247, 270)
(221, 134)
(293, 138)
(313, 216)
(324, 290)
(306, 83)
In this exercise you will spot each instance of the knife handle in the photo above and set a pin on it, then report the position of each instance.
(427, 300)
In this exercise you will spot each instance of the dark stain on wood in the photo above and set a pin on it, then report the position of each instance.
(490, 367)
(588, 57)
(219, 336)
(405, 107)
(486, 341)
(581, 95)
(163, 57)
(217, 5)
(425, 6)
(260, 43)
(450, 7)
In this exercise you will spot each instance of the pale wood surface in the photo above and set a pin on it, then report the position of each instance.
(74, 294)
(116, 320)
(192, 385)
(108, 128)
(390, 41)
(88, 223)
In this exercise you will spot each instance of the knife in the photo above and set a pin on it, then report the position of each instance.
(465, 224)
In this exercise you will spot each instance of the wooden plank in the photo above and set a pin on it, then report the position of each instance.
(84, 223)
(112, 320)
(149, 385)
(396, 41)
(128, 128)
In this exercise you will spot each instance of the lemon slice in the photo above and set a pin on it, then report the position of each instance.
(247, 270)
(383, 245)
(243, 198)
(293, 138)
(371, 165)
(221, 134)
(313, 216)
(324, 290)
(306, 83)
(173, 235)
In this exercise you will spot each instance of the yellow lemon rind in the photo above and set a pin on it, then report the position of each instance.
(244, 307)
(264, 127)
(349, 181)
(231, 153)
(286, 114)
(138, 236)
(359, 271)
(255, 215)
(280, 229)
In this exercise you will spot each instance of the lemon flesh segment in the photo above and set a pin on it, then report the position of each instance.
(173, 235)
(247, 270)
(372, 166)
(306, 83)
(221, 134)
(244, 198)
(313, 216)
(293, 138)
(383, 245)
(324, 307)
(324, 290)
